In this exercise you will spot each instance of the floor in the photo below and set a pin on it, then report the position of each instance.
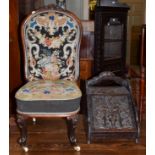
(49, 137)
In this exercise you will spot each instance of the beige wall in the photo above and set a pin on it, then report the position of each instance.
(79, 7)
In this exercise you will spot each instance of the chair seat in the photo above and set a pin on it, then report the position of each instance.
(45, 96)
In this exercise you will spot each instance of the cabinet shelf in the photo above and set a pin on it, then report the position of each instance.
(113, 40)
(112, 58)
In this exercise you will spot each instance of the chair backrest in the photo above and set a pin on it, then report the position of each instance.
(51, 40)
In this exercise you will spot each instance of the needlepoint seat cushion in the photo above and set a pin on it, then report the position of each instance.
(46, 96)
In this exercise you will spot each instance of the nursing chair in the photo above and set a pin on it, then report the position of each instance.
(51, 39)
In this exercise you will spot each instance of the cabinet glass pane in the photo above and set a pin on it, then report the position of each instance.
(113, 29)
(112, 50)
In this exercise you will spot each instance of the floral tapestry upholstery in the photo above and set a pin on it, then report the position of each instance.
(48, 90)
(51, 46)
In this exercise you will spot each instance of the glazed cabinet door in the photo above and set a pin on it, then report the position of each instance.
(110, 40)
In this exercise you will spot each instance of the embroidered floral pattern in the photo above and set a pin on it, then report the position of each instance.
(52, 41)
(48, 90)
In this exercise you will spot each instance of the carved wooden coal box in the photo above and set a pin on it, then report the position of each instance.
(111, 111)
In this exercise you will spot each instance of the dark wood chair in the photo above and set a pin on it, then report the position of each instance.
(51, 41)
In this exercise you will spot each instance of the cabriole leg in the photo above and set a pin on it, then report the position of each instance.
(21, 121)
(71, 123)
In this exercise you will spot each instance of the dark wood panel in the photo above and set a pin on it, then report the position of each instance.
(138, 73)
(86, 58)
(135, 45)
(14, 54)
(87, 43)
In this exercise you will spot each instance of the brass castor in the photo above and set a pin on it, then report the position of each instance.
(25, 148)
(77, 148)
(34, 120)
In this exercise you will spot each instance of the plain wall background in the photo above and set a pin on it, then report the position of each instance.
(79, 7)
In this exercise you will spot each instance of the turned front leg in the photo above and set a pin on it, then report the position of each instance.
(71, 123)
(21, 121)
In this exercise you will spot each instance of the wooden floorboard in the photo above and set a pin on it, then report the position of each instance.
(49, 137)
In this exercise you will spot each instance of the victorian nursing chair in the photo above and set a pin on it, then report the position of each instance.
(51, 39)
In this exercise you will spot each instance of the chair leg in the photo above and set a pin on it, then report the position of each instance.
(21, 121)
(71, 123)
